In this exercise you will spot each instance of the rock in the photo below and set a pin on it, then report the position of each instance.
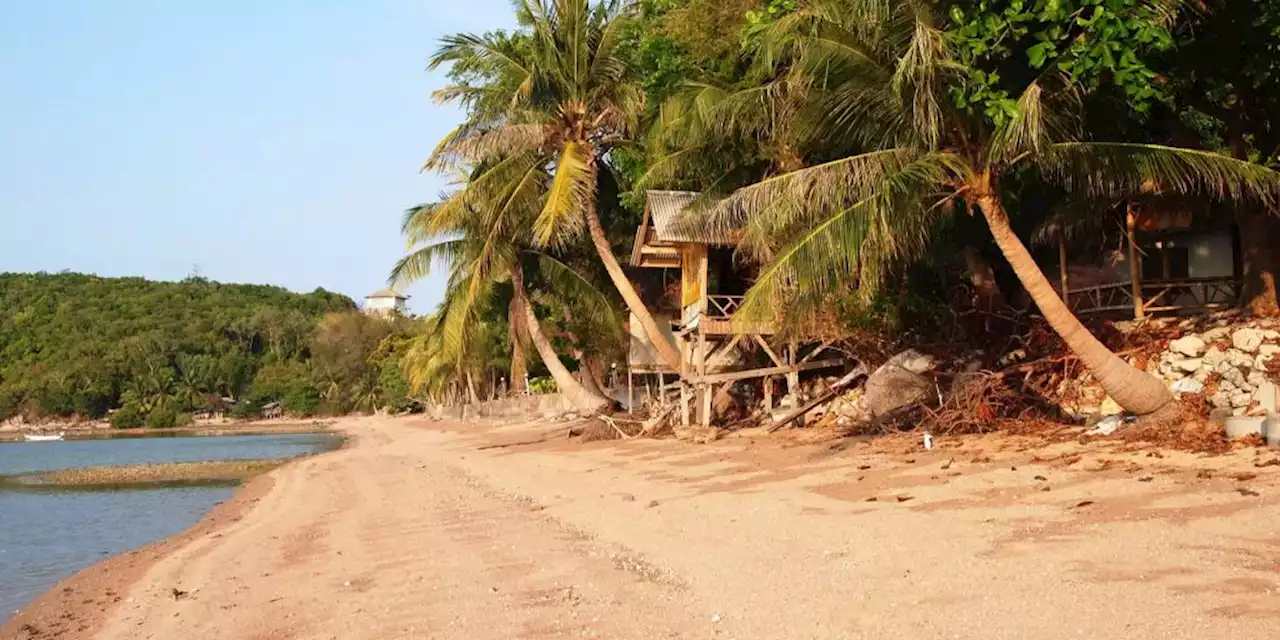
(1110, 407)
(898, 383)
(1221, 400)
(1227, 386)
(1214, 356)
(1256, 378)
(1189, 365)
(1271, 334)
(1216, 333)
(1234, 376)
(1247, 339)
(1241, 399)
(1187, 385)
(1190, 346)
(1239, 358)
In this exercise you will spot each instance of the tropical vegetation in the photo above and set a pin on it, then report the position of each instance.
(154, 354)
(855, 144)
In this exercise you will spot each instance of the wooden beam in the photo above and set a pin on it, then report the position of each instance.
(769, 350)
(822, 347)
(771, 371)
(722, 352)
(836, 389)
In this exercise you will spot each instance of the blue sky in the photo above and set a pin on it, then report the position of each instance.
(269, 142)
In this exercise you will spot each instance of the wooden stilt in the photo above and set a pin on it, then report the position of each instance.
(1135, 265)
(768, 395)
(1062, 266)
(684, 405)
(662, 390)
(631, 397)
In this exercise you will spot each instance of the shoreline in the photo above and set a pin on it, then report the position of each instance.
(79, 605)
(93, 431)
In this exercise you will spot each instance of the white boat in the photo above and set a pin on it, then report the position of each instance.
(32, 437)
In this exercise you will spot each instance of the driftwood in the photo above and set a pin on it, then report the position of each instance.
(841, 385)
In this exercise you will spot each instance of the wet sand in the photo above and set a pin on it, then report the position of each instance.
(452, 530)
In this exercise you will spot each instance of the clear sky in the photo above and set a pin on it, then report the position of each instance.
(265, 141)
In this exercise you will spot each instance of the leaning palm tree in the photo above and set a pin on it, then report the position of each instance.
(554, 96)
(481, 249)
(875, 77)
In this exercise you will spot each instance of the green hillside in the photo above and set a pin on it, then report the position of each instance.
(81, 345)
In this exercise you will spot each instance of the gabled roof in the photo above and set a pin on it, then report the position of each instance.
(664, 214)
(386, 293)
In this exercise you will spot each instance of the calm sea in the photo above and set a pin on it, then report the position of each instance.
(46, 536)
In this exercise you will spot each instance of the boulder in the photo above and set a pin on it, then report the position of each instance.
(1221, 400)
(1216, 333)
(898, 383)
(1110, 407)
(1214, 356)
(1239, 358)
(1190, 346)
(1247, 339)
(1241, 399)
(1187, 385)
(1189, 365)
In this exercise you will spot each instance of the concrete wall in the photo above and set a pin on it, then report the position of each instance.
(531, 406)
(1211, 255)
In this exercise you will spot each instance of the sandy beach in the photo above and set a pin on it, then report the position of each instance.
(450, 530)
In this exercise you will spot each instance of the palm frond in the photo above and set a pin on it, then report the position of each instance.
(572, 186)
(1117, 169)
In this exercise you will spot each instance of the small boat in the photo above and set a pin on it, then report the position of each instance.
(34, 437)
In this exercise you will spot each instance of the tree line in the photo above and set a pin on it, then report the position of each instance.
(156, 353)
(867, 151)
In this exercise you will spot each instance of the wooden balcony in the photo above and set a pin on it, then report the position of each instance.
(1195, 295)
(718, 320)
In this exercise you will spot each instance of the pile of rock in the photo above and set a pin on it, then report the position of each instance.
(1230, 364)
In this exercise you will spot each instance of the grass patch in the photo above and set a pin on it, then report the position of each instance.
(167, 474)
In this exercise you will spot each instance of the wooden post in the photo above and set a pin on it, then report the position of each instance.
(662, 390)
(1062, 266)
(768, 395)
(684, 405)
(1135, 265)
(704, 389)
(631, 398)
(793, 379)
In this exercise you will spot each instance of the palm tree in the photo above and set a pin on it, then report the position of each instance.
(553, 96)
(872, 80)
(483, 248)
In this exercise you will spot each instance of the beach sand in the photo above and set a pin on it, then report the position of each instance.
(450, 530)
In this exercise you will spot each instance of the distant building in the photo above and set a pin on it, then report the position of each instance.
(385, 302)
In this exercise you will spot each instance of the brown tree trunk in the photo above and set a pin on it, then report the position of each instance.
(1136, 391)
(518, 337)
(579, 395)
(1259, 237)
(665, 349)
(471, 389)
(983, 279)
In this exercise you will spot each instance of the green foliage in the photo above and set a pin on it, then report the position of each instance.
(163, 416)
(542, 384)
(128, 417)
(760, 20)
(80, 345)
(1002, 45)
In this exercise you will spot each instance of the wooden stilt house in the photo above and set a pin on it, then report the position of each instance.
(707, 288)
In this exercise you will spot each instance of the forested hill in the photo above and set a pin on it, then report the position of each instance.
(73, 344)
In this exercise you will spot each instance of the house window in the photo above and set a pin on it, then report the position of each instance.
(1165, 263)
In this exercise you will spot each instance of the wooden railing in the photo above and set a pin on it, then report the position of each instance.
(723, 307)
(1185, 294)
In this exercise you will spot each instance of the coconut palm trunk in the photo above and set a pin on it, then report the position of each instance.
(471, 389)
(664, 348)
(518, 337)
(1135, 390)
(580, 396)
